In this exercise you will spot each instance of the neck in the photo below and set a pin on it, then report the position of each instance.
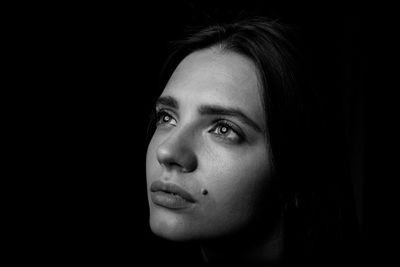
(254, 245)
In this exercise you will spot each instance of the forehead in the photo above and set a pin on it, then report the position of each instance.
(211, 76)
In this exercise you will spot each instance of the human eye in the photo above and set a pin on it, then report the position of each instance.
(227, 131)
(164, 117)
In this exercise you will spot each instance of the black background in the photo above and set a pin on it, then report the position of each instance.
(92, 75)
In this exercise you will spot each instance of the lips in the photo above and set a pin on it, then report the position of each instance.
(170, 195)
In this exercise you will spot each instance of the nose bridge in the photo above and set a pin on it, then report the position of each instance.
(178, 150)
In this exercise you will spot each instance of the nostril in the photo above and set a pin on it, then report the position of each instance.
(172, 165)
(190, 166)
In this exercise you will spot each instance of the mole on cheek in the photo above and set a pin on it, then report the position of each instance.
(204, 191)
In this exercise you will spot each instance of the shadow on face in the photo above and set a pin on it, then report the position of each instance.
(210, 135)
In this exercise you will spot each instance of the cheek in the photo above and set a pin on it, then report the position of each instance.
(235, 180)
(152, 166)
(236, 184)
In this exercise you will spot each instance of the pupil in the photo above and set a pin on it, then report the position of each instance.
(166, 118)
(224, 129)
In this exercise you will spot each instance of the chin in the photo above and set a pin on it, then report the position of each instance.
(171, 227)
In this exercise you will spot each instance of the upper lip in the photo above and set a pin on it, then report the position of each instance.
(171, 188)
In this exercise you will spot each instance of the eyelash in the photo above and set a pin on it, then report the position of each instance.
(218, 124)
(159, 114)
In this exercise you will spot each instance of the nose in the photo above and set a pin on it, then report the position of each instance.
(178, 152)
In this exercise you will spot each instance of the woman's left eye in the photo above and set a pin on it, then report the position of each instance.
(226, 130)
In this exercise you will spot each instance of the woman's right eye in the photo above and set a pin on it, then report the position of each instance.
(164, 118)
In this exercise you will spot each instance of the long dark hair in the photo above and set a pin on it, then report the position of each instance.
(294, 136)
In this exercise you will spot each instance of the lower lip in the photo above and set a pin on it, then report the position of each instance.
(170, 201)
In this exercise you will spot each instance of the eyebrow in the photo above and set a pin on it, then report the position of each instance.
(171, 102)
(228, 111)
(168, 101)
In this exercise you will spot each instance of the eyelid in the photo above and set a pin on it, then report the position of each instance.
(215, 123)
(158, 111)
(236, 129)
(231, 124)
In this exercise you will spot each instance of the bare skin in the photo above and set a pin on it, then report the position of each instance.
(211, 136)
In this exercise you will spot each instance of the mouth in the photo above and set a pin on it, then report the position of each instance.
(170, 195)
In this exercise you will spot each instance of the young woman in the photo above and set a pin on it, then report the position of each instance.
(230, 162)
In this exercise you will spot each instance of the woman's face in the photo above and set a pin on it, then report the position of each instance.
(208, 162)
